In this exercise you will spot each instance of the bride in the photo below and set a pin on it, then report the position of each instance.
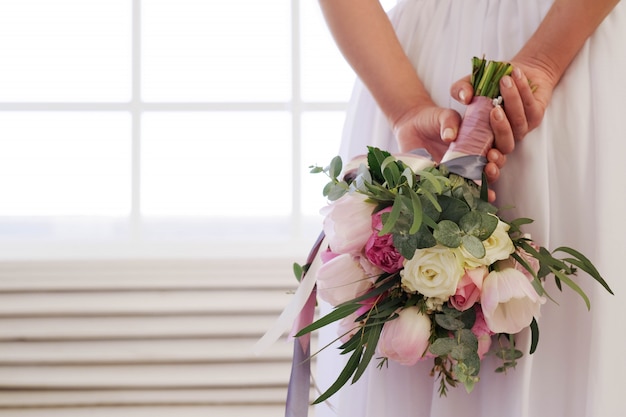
(567, 174)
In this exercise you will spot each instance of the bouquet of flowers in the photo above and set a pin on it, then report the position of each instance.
(419, 266)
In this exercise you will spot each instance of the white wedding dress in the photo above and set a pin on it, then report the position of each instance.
(569, 175)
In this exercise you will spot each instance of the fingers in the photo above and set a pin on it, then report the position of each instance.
(503, 133)
(515, 111)
(462, 90)
(532, 108)
(449, 122)
(523, 111)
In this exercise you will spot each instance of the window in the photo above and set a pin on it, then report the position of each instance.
(179, 127)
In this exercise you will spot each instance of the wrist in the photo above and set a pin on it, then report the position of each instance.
(402, 113)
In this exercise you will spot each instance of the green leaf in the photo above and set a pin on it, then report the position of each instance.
(409, 175)
(375, 158)
(568, 281)
(585, 264)
(337, 314)
(337, 190)
(417, 211)
(467, 338)
(390, 221)
(478, 224)
(442, 346)
(335, 167)
(448, 322)
(344, 376)
(452, 209)
(372, 341)
(509, 354)
(534, 329)
(433, 180)
(316, 169)
(474, 246)
(448, 234)
(298, 271)
(391, 172)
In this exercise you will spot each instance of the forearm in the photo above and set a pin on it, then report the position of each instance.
(368, 42)
(562, 33)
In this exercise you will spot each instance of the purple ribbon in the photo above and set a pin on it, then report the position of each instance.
(297, 404)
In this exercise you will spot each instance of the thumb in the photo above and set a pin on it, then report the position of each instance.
(449, 122)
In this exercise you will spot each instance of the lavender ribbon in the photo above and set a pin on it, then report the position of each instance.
(467, 154)
(297, 404)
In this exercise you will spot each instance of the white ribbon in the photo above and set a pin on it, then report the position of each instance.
(286, 319)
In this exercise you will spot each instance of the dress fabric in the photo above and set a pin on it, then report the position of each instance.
(568, 175)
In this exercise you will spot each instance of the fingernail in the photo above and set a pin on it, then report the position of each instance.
(508, 83)
(448, 134)
(517, 73)
(462, 95)
(498, 114)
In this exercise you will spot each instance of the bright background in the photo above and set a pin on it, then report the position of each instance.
(165, 127)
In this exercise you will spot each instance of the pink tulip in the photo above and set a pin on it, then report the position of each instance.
(348, 223)
(341, 279)
(509, 301)
(405, 339)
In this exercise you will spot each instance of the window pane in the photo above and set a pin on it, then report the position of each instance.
(321, 133)
(235, 50)
(216, 164)
(326, 76)
(63, 163)
(75, 50)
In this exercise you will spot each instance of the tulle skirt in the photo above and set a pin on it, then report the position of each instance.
(568, 175)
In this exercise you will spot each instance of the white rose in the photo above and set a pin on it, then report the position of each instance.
(497, 247)
(433, 272)
(348, 223)
(509, 301)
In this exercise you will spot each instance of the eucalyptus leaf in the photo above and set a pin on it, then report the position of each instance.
(405, 244)
(335, 167)
(448, 322)
(448, 234)
(452, 209)
(468, 338)
(337, 191)
(478, 224)
(474, 246)
(442, 346)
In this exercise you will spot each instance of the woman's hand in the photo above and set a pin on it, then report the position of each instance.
(525, 94)
(434, 128)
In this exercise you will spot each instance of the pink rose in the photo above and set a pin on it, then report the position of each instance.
(381, 252)
(341, 279)
(509, 301)
(405, 339)
(482, 333)
(468, 289)
(348, 223)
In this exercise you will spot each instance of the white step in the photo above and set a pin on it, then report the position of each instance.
(177, 326)
(219, 375)
(143, 303)
(137, 274)
(139, 352)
